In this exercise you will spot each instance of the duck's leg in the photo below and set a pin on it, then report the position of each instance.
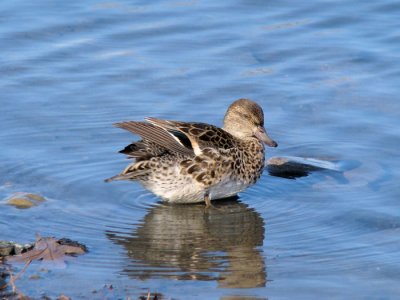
(207, 200)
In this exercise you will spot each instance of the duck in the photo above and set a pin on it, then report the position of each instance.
(191, 162)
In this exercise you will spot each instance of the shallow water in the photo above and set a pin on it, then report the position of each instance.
(327, 75)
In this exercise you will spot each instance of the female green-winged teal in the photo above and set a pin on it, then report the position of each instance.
(186, 162)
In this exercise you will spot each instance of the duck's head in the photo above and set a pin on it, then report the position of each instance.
(245, 118)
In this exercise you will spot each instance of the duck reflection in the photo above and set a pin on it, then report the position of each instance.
(188, 243)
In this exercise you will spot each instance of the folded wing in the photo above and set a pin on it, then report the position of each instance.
(157, 135)
(200, 135)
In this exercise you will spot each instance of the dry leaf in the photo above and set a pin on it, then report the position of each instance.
(50, 249)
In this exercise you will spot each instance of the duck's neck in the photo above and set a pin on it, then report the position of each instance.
(242, 135)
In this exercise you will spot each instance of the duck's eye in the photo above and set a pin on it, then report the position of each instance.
(244, 116)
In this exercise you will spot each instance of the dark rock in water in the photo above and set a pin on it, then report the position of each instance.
(293, 167)
(3, 276)
(68, 242)
(6, 248)
(12, 248)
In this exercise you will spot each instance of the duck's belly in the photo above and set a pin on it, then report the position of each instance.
(227, 189)
(185, 190)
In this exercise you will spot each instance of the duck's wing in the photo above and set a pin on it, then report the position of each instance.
(152, 134)
(199, 135)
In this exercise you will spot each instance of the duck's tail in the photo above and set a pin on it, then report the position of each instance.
(116, 177)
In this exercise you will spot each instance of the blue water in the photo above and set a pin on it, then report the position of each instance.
(327, 75)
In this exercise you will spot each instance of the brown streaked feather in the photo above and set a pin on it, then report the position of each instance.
(156, 135)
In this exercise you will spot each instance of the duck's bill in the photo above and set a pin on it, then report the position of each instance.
(262, 135)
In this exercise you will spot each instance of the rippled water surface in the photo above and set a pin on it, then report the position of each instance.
(327, 75)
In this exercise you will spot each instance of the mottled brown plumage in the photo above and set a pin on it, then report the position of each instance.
(186, 162)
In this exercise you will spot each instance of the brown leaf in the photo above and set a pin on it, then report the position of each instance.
(49, 249)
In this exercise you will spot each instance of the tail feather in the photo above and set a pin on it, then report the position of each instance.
(131, 172)
(116, 177)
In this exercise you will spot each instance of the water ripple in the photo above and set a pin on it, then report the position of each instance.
(327, 80)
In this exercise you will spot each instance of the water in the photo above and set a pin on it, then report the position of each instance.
(327, 75)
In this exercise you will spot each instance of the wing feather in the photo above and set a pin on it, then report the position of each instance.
(156, 135)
